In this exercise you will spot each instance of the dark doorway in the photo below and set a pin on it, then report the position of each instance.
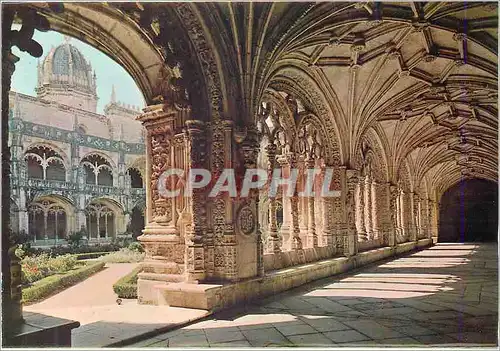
(469, 212)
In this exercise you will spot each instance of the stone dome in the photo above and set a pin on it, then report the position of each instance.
(66, 71)
(64, 55)
(66, 65)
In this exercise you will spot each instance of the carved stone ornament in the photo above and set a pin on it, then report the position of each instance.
(160, 162)
(246, 220)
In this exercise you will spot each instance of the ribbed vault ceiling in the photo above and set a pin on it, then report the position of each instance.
(418, 79)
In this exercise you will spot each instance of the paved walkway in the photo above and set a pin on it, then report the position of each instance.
(445, 295)
(104, 322)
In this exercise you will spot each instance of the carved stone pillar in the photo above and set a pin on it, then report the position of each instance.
(230, 244)
(274, 241)
(368, 207)
(165, 249)
(413, 217)
(195, 253)
(250, 152)
(11, 277)
(360, 210)
(340, 183)
(285, 230)
(393, 212)
(431, 219)
(375, 214)
(351, 244)
(311, 233)
(418, 216)
(328, 224)
(428, 233)
(294, 205)
(401, 229)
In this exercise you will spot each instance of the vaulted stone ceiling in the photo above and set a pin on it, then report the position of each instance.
(421, 76)
(417, 79)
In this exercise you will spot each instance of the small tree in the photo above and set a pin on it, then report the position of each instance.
(75, 239)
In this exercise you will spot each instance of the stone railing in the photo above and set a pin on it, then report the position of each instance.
(93, 189)
(101, 189)
(137, 191)
(50, 184)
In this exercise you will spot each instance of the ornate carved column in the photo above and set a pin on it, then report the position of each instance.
(329, 217)
(360, 209)
(375, 210)
(431, 218)
(413, 217)
(165, 249)
(393, 212)
(274, 241)
(230, 245)
(294, 204)
(428, 233)
(418, 216)
(250, 151)
(402, 215)
(340, 183)
(368, 208)
(351, 242)
(286, 229)
(312, 235)
(11, 277)
(195, 253)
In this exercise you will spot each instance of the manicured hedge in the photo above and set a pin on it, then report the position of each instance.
(46, 286)
(91, 255)
(126, 286)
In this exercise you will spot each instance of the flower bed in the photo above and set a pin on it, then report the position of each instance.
(38, 267)
(57, 282)
(126, 286)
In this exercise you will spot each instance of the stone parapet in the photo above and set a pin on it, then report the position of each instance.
(215, 297)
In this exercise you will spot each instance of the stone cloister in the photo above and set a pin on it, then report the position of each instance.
(399, 99)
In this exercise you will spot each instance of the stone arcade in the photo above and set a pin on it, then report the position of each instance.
(400, 99)
(72, 167)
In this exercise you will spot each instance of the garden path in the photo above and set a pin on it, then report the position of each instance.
(104, 322)
(97, 290)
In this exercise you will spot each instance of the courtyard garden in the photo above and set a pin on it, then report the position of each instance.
(47, 271)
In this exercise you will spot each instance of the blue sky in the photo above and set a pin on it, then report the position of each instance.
(108, 72)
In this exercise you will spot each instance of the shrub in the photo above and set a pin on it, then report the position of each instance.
(90, 255)
(126, 286)
(20, 238)
(122, 240)
(37, 267)
(49, 285)
(123, 256)
(64, 250)
(75, 239)
(136, 246)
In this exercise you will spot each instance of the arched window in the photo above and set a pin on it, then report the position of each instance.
(98, 170)
(45, 163)
(135, 178)
(100, 221)
(47, 220)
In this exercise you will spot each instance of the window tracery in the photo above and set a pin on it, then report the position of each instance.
(47, 220)
(45, 163)
(98, 170)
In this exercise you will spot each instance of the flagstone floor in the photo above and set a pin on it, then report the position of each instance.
(444, 295)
